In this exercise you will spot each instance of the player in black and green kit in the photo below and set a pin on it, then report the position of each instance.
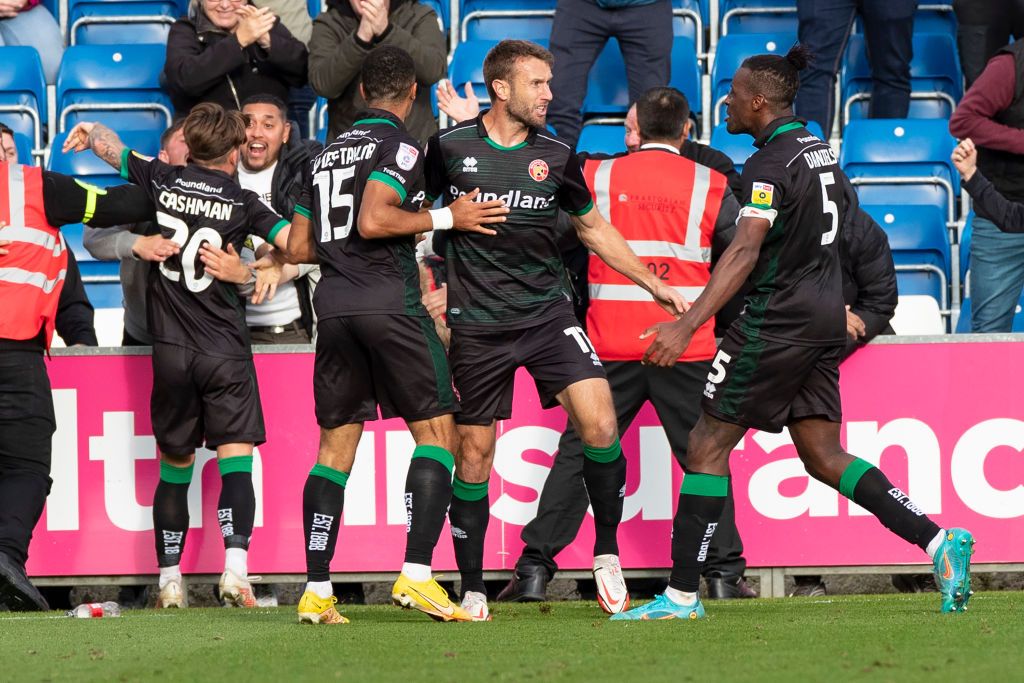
(376, 345)
(509, 307)
(778, 364)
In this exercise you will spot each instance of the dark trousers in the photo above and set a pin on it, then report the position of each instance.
(579, 33)
(984, 26)
(824, 28)
(26, 427)
(676, 396)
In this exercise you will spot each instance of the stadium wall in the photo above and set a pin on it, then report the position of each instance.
(944, 416)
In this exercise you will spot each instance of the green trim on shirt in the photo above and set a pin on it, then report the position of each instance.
(390, 182)
(124, 163)
(784, 129)
(281, 224)
(303, 211)
(513, 148)
(584, 210)
(371, 121)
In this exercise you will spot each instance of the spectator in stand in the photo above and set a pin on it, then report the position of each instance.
(992, 114)
(27, 22)
(581, 28)
(983, 27)
(348, 30)
(824, 27)
(8, 143)
(272, 165)
(137, 247)
(226, 51)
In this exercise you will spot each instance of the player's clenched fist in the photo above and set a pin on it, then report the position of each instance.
(471, 216)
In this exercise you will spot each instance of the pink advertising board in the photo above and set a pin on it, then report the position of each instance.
(945, 420)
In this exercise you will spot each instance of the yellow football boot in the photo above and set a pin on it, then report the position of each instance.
(429, 598)
(316, 610)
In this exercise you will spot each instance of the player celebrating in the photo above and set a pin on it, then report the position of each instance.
(376, 345)
(204, 380)
(508, 305)
(778, 364)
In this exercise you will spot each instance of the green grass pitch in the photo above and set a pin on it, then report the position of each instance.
(853, 638)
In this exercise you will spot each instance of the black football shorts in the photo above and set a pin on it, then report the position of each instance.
(198, 398)
(556, 353)
(765, 385)
(394, 361)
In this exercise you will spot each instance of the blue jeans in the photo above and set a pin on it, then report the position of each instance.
(888, 31)
(997, 276)
(36, 28)
(579, 33)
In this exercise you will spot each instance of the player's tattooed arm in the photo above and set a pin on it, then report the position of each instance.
(728, 277)
(101, 140)
(602, 238)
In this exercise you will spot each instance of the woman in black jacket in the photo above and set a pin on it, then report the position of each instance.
(226, 51)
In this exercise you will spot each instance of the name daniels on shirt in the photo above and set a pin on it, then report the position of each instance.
(514, 199)
(820, 157)
(197, 206)
(346, 156)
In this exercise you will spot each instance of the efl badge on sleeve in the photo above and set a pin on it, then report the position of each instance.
(406, 156)
(763, 193)
(538, 169)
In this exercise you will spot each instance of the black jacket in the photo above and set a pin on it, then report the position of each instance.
(75, 314)
(712, 158)
(286, 190)
(1007, 215)
(869, 276)
(205, 64)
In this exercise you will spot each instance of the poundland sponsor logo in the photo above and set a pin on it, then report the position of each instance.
(514, 199)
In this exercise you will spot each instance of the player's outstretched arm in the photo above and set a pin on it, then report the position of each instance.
(381, 215)
(101, 140)
(602, 238)
(728, 277)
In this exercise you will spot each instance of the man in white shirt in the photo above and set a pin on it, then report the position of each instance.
(272, 164)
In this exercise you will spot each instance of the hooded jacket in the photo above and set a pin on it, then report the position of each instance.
(207, 64)
(336, 57)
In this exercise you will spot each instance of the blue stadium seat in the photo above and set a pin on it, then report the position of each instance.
(314, 8)
(920, 248)
(603, 138)
(496, 20)
(965, 252)
(467, 66)
(110, 22)
(740, 147)
(732, 50)
(935, 79)
(89, 167)
(906, 159)
(757, 16)
(688, 21)
(608, 89)
(118, 85)
(23, 93)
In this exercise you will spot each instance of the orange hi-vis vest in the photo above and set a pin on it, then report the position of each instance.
(32, 273)
(665, 206)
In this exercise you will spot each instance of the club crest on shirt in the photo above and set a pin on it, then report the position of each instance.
(763, 193)
(538, 169)
(406, 156)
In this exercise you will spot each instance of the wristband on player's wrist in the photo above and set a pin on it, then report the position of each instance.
(442, 219)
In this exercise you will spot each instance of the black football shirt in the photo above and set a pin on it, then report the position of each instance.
(364, 276)
(514, 279)
(794, 182)
(196, 205)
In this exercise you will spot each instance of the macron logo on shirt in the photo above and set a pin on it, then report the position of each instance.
(469, 165)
